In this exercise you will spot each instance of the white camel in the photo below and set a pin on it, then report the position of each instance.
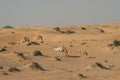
(61, 50)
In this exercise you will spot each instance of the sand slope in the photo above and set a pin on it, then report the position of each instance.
(18, 62)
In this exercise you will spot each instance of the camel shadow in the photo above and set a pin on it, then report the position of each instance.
(73, 56)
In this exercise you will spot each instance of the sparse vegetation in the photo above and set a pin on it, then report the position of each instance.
(56, 29)
(69, 51)
(71, 45)
(14, 69)
(83, 28)
(69, 31)
(105, 26)
(82, 76)
(5, 73)
(102, 66)
(8, 26)
(1, 67)
(83, 43)
(35, 66)
(2, 49)
(21, 55)
(37, 53)
(102, 31)
(12, 32)
(57, 59)
(12, 43)
(115, 43)
(33, 43)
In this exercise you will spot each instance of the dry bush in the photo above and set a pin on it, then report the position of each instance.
(68, 31)
(33, 43)
(2, 49)
(12, 43)
(34, 66)
(102, 31)
(21, 55)
(8, 26)
(14, 69)
(1, 67)
(56, 29)
(83, 28)
(37, 53)
(115, 43)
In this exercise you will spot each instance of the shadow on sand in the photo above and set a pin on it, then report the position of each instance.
(73, 56)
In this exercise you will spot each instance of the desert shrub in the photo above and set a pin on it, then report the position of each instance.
(83, 28)
(33, 43)
(71, 45)
(12, 43)
(83, 43)
(2, 49)
(12, 32)
(14, 69)
(105, 26)
(21, 55)
(69, 31)
(36, 66)
(82, 76)
(5, 73)
(115, 43)
(57, 59)
(1, 67)
(102, 31)
(8, 26)
(37, 53)
(56, 29)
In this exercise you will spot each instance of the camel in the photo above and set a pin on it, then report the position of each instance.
(29, 42)
(25, 39)
(39, 37)
(83, 53)
(61, 50)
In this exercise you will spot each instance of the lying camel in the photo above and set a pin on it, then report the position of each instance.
(25, 39)
(39, 37)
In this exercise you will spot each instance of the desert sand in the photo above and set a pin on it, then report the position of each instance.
(90, 56)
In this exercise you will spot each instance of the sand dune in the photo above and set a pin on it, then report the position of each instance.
(93, 53)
